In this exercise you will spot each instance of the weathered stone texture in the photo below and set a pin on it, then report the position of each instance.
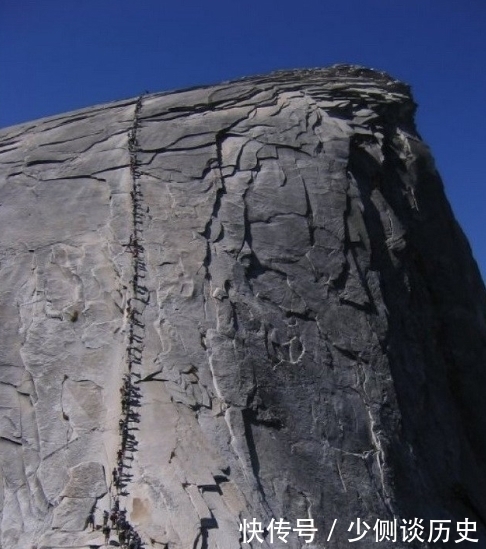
(274, 262)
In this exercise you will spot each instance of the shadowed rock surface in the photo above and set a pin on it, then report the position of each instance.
(240, 301)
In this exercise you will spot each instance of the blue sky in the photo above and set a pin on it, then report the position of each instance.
(60, 55)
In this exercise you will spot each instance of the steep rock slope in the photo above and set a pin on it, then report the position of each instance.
(241, 301)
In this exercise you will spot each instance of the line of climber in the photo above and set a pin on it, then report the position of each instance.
(116, 520)
(130, 395)
(135, 246)
(133, 141)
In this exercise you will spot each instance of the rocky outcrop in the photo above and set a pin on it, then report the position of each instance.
(242, 301)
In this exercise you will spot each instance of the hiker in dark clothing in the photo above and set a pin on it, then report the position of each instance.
(114, 518)
(106, 532)
(90, 521)
(122, 538)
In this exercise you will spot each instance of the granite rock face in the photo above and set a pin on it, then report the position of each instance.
(242, 301)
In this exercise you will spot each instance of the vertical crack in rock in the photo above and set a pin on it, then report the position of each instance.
(248, 419)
